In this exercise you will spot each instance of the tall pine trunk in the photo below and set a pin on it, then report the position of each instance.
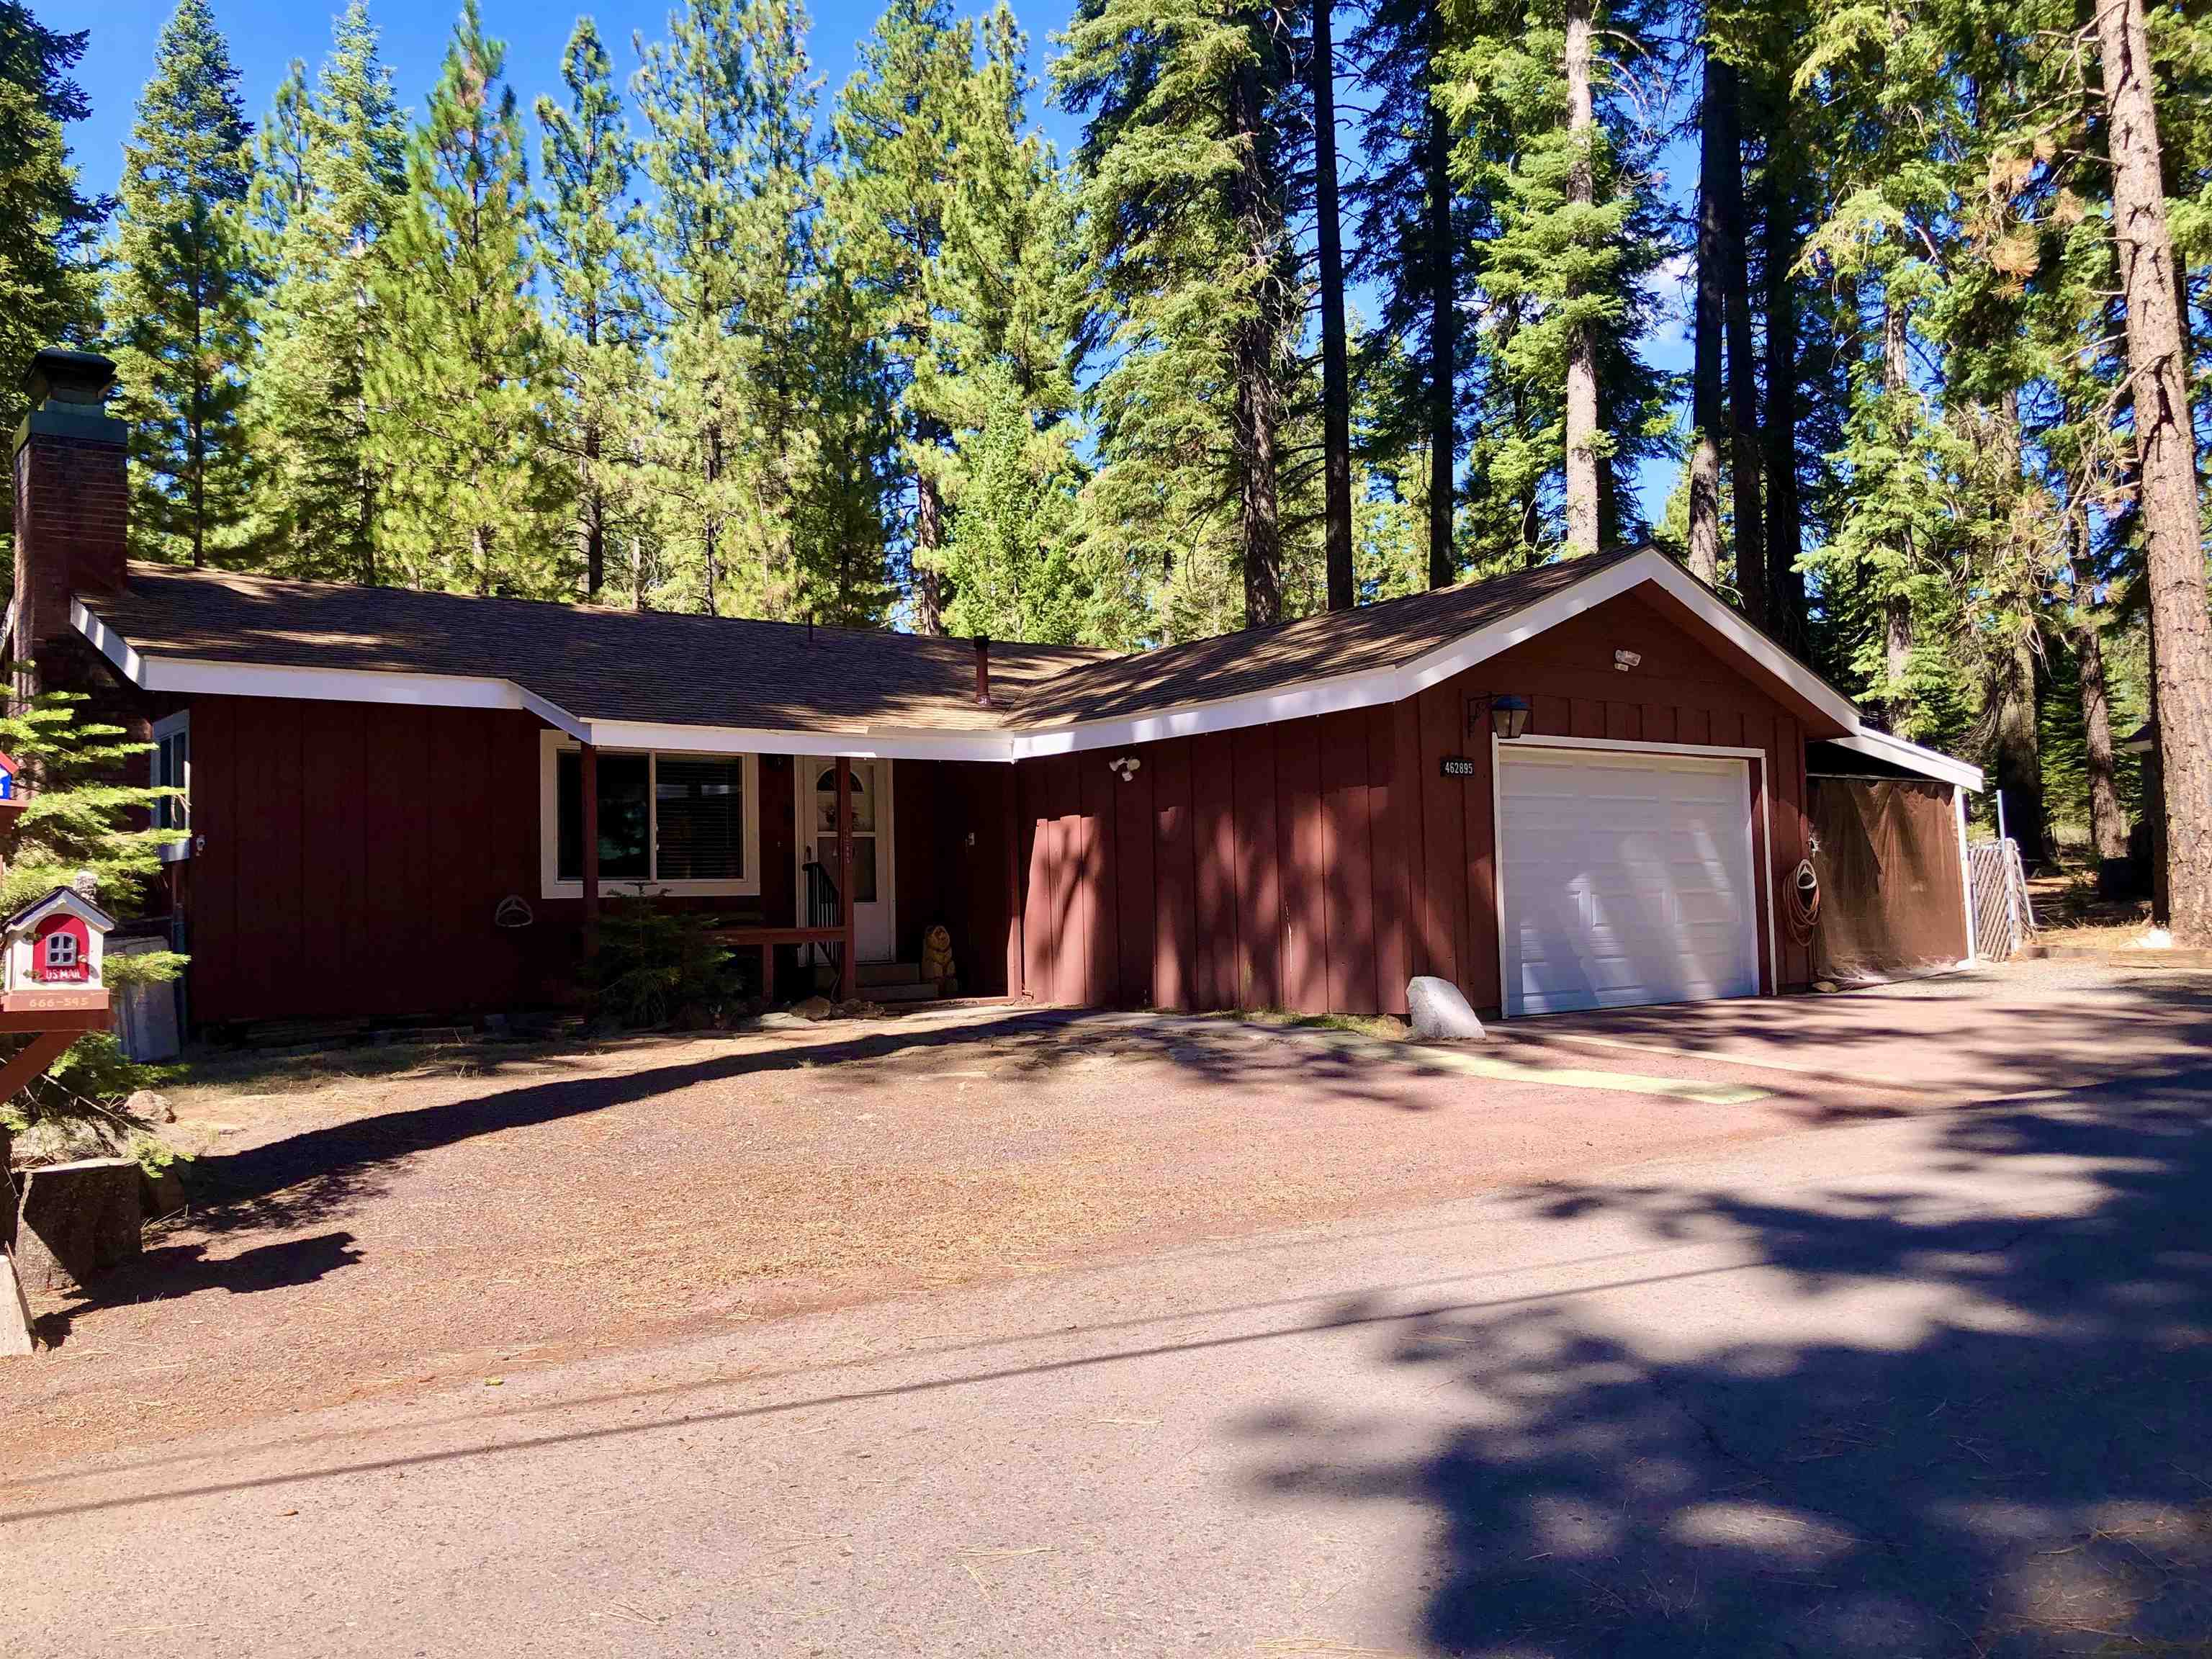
(1897, 603)
(1724, 118)
(1335, 371)
(1785, 528)
(1256, 352)
(2166, 450)
(1444, 329)
(1707, 384)
(2019, 758)
(2108, 823)
(1583, 530)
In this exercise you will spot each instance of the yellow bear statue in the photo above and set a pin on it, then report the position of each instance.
(937, 957)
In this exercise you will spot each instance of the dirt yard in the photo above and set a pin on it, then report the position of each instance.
(380, 1221)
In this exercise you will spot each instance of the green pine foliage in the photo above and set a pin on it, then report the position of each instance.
(181, 295)
(457, 377)
(48, 225)
(329, 167)
(589, 234)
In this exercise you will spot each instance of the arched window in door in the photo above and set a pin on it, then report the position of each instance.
(862, 778)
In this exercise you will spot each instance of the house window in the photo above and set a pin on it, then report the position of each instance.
(680, 824)
(171, 766)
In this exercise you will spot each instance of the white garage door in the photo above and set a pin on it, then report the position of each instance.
(1627, 878)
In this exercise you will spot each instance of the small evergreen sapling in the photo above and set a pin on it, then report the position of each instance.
(78, 821)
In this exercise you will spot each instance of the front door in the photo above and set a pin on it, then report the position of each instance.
(874, 931)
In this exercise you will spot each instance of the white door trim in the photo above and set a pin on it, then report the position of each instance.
(802, 838)
(1767, 979)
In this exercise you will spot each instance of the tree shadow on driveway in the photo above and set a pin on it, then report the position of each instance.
(1972, 1432)
(170, 1270)
(304, 1177)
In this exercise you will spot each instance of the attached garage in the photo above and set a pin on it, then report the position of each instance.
(1624, 877)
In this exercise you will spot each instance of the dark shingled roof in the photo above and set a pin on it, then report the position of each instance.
(604, 665)
(1321, 646)
(596, 664)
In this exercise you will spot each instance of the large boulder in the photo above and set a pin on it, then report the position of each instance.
(77, 1220)
(1439, 1013)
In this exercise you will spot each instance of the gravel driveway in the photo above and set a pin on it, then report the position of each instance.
(370, 1223)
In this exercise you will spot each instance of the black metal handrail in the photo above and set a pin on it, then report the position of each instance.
(823, 910)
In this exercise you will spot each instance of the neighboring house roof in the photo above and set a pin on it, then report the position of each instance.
(631, 679)
(2144, 740)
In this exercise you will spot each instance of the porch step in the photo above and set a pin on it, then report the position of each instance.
(900, 990)
(890, 973)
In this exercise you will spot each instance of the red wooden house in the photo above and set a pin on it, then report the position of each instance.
(1582, 784)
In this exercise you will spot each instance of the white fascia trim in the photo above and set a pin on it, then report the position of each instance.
(860, 744)
(109, 643)
(190, 676)
(1865, 740)
(1329, 697)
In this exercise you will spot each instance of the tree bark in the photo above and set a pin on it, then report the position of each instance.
(928, 537)
(1335, 371)
(2018, 760)
(1255, 349)
(1785, 528)
(1443, 338)
(2108, 823)
(1582, 349)
(1724, 113)
(2166, 450)
(1707, 384)
(1897, 602)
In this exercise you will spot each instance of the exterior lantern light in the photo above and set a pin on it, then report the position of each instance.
(1509, 716)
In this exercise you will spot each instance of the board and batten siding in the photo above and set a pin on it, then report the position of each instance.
(1315, 865)
(349, 858)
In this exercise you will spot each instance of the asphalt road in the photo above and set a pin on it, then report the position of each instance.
(1934, 1384)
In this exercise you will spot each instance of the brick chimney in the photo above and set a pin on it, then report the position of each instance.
(71, 497)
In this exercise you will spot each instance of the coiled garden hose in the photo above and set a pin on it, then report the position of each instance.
(1804, 902)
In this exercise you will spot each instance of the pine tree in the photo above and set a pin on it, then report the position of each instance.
(842, 525)
(1191, 176)
(999, 377)
(727, 101)
(46, 222)
(1569, 234)
(1335, 372)
(2166, 449)
(180, 297)
(331, 167)
(455, 378)
(588, 227)
(895, 123)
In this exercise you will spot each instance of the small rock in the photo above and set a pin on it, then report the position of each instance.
(1825, 986)
(780, 1021)
(149, 1107)
(1439, 1013)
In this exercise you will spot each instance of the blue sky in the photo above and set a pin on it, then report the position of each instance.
(266, 35)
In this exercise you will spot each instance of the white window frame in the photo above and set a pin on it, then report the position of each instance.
(170, 725)
(552, 744)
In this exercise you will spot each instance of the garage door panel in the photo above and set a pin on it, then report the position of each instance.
(1627, 880)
